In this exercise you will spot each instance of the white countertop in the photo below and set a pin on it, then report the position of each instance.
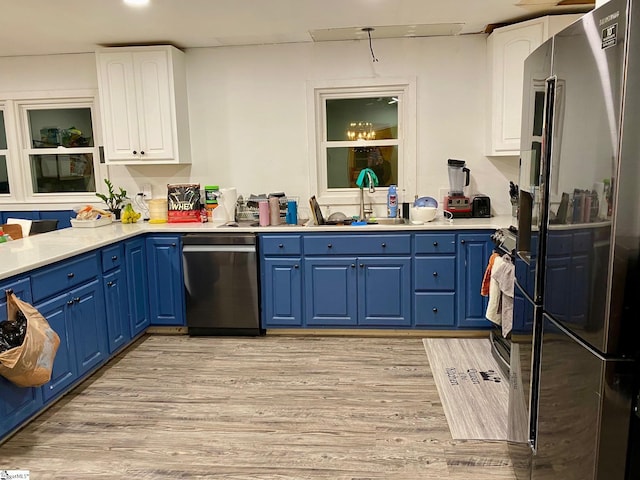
(26, 254)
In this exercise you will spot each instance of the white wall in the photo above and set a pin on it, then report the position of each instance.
(248, 110)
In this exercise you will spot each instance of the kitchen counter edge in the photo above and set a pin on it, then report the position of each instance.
(29, 253)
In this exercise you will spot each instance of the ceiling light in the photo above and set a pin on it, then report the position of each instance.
(136, 3)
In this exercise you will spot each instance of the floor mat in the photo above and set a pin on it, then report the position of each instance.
(473, 390)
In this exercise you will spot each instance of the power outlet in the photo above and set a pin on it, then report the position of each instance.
(146, 191)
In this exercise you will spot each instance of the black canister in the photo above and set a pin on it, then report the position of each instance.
(406, 206)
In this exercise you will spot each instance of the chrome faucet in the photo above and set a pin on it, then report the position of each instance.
(364, 213)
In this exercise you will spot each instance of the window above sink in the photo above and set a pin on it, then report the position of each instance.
(362, 124)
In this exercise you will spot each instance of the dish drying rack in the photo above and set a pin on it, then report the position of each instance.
(248, 209)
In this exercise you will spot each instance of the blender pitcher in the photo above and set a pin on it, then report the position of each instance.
(458, 177)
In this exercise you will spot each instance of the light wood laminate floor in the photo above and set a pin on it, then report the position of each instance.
(257, 408)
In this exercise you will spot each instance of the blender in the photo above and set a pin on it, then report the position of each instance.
(456, 202)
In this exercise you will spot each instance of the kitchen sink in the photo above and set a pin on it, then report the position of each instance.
(389, 221)
(377, 221)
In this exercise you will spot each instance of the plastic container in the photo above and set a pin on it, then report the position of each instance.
(392, 201)
(263, 209)
(211, 193)
(274, 211)
(292, 211)
(158, 210)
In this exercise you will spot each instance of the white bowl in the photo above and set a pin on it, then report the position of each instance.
(422, 214)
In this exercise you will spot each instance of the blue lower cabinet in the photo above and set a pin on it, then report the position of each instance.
(384, 291)
(282, 292)
(474, 250)
(79, 320)
(86, 313)
(137, 285)
(331, 291)
(434, 309)
(166, 284)
(22, 289)
(358, 291)
(16, 403)
(65, 369)
(116, 302)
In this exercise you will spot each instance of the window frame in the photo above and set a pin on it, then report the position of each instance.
(16, 107)
(4, 152)
(404, 90)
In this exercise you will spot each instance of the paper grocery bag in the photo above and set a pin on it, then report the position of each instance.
(30, 364)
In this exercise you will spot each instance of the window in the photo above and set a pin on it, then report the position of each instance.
(60, 149)
(48, 150)
(356, 127)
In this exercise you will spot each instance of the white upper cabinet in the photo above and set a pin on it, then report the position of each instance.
(143, 103)
(507, 48)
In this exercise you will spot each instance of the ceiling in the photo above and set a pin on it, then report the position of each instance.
(37, 27)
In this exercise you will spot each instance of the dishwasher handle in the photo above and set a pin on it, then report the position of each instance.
(219, 248)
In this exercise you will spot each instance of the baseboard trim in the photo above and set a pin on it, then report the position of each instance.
(168, 330)
(360, 332)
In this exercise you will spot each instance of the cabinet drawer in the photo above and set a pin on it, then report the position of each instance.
(63, 275)
(435, 309)
(357, 244)
(559, 244)
(111, 257)
(281, 245)
(435, 273)
(435, 243)
(582, 242)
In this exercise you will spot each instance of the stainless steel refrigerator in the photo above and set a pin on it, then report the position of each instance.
(577, 271)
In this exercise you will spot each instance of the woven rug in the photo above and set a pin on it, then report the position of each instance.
(472, 388)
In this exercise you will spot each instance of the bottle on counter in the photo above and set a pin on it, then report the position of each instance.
(211, 194)
(392, 201)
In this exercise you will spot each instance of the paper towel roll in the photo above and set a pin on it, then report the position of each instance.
(228, 199)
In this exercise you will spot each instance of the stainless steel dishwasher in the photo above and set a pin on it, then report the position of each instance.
(221, 283)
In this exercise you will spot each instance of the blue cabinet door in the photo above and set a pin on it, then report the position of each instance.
(16, 403)
(166, 284)
(580, 289)
(473, 256)
(384, 291)
(65, 369)
(114, 285)
(87, 319)
(282, 292)
(331, 291)
(557, 290)
(137, 285)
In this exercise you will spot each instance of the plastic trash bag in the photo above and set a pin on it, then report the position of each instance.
(12, 333)
(29, 364)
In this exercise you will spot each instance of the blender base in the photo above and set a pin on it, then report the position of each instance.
(458, 205)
